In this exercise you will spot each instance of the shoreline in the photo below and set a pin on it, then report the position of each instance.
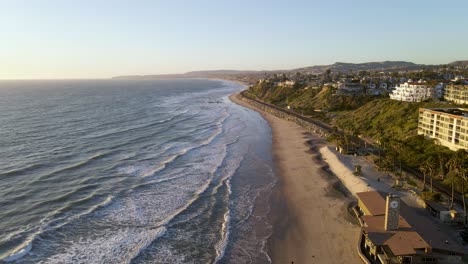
(309, 210)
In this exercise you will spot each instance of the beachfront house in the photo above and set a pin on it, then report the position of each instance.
(393, 233)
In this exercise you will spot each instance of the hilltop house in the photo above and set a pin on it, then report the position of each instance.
(350, 88)
(286, 83)
(383, 85)
(411, 92)
(457, 94)
(438, 91)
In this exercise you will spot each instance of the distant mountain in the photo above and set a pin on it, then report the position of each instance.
(192, 74)
(459, 63)
(343, 67)
(367, 66)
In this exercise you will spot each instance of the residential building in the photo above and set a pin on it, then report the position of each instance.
(458, 78)
(411, 92)
(448, 125)
(286, 83)
(350, 87)
(457, 94)
(393, 233)
(438, 91)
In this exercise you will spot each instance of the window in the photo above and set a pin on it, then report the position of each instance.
(406, 259)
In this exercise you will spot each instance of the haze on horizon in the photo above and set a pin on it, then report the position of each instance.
(100, 39)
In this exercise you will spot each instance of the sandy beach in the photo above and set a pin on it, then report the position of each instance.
(311, 222)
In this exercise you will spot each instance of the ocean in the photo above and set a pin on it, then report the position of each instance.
(132, 171)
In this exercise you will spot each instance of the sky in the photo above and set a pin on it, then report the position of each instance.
(61, 39)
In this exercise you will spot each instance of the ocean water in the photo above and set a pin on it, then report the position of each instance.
(149, 171)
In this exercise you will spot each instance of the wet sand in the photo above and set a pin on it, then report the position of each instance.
(311, 221)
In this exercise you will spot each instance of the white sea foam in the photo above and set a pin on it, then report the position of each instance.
(118, 229)
(117, 246)
(113, 131)
(22, 250)
(145, 171)
(46, 225)
(222, 243)
(130, 215)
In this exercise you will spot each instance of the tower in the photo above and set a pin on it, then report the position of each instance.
(392, 212)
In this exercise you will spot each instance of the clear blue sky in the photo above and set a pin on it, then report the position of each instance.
(101, 39)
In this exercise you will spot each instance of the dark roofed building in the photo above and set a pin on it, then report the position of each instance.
(370, 203)
(393, 233)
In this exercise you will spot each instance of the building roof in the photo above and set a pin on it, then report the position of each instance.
(373, 202)
(427, 229)
(377, 222)
(456, 112)
(403, 241)
(414, 231)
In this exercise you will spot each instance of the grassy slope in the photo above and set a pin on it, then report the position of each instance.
(385, 117)
(374, 117)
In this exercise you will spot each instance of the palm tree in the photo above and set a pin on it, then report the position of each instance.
(398, 146)
(458, 164)
(452, 179)
(443, 159)
(433, 169)
(429, 168)
(424, 168)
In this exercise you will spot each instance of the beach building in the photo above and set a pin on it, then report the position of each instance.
(411, 92)
(457, 94)
(448, 125)
(392, 233)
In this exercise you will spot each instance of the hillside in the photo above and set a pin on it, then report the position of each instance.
(317, 69)
(394, 124)
(307, 100)
(367, 66)
(380, 118)
(461, 63)
(385, 118)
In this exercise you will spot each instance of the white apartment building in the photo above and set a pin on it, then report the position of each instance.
(411, 92)
(286, 83)
(457, 94)
(448, 125)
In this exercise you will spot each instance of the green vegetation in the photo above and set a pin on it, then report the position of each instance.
(411, 182)
(306, 99)
(431, 196)
(392, 124)
(385, 118)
